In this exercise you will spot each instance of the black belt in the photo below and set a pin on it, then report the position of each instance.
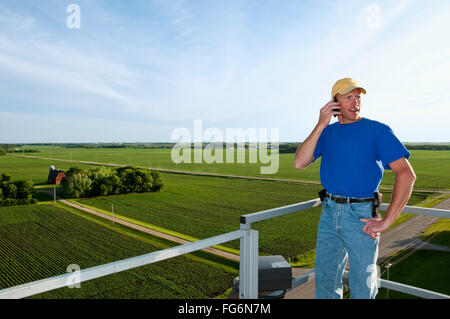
(376, 200)
(343, 200)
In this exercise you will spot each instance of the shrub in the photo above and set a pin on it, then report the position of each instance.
(9, 202)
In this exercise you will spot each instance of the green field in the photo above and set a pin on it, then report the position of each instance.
(202, 207)
(41, 241)
(431, 166)
(35, 170)
(425, 269)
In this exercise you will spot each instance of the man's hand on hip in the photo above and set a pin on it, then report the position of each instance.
(374, 226)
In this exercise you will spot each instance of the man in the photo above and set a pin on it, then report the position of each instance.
(355, 151)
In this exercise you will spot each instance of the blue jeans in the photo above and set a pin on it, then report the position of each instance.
(340, 238)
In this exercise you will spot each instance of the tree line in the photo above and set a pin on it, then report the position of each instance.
(440, 147)
(15, 193)
(7, 148)
(292, 147)
(105, 181)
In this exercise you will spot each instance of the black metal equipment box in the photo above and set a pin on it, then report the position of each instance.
(274, 273)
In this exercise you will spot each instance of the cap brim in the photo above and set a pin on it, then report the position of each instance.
(352, 88)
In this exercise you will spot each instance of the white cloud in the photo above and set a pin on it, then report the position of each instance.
(231, 75)
(10, 20)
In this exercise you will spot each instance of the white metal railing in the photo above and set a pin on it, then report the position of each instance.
(249, 240)
(246, 220)
(248, 266)
(407, 289)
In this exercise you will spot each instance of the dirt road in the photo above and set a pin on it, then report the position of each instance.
(148, 230)
(402, 237)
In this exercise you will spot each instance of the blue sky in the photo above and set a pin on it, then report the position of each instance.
(137, 70)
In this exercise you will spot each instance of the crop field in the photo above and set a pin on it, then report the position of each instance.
(40, 241)
(426, 269)
(202, 207)
(35, 170)
(431, 166)
(198, 207)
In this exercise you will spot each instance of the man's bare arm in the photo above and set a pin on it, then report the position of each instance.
(403, 185)
(305, 152)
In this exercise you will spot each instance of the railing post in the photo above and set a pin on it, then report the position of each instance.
(248, 267)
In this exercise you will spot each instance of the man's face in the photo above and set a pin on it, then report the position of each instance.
(350, 105)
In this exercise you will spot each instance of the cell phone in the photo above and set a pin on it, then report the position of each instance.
(336, 110)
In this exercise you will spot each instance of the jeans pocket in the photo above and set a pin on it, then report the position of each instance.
(361, 210)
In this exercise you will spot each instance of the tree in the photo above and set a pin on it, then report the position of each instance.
(9, 202)
(24, 189)
(10, 191)
(74, 170)
(128, 179)
(6, 177)
(15, 193)
(100, 181)
(157, 182)
(77, 185)
(104, 181)
(146, 180)
(135, 179)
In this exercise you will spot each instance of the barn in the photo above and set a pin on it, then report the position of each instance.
(55, 176)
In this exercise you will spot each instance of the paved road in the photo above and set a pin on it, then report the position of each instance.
(403, 236)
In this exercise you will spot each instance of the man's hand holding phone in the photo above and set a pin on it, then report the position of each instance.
(329, 109)
(305, 152)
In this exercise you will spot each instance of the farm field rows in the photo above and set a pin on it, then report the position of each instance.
(205, 206)
(201, 207)
(431, 166)
(194, 206)
(40, 241)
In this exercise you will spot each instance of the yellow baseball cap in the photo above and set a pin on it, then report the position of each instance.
(344, 86)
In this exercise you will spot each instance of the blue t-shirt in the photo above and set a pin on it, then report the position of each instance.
(354, 156)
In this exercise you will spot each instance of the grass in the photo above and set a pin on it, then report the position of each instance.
(201, 207)
(438, 233)
(422, 268)
(431, 166)
(40, 241)
(35, 170)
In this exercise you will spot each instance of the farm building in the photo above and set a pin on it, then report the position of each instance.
(55, 176)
